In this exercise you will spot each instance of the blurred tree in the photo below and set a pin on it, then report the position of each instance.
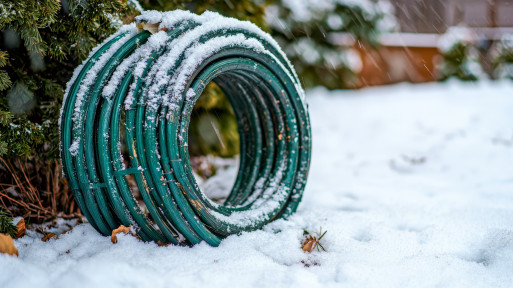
(460, 57)
(503, 58)
(304, 27)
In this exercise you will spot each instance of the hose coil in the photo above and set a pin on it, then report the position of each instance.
(138, 88)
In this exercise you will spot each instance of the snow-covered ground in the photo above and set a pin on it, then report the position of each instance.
(412, 182)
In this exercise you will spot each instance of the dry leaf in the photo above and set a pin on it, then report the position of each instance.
(120, 229)
(7, 245)
(21, 228)
(69, 230)
(309, 244)
(48, 236)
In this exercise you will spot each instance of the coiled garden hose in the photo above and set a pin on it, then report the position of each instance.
(138, 88)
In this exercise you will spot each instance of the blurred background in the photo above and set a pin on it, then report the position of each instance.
(338, 44)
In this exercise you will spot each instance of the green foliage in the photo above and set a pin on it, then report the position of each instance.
(241, 9)
(458, 63)
(5, 81)
(6, 225)
(460, 58)
(213, 128)
(21, 135)
(41, 44)
(503, 61)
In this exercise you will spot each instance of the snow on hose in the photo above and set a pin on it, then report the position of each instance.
(139, 88)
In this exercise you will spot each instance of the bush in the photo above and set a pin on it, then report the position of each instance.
(503, 60)
(460, 58)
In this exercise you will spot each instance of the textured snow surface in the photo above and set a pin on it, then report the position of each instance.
(412, 182)
(219, 185)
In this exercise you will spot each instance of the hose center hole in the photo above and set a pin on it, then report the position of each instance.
(214, 144)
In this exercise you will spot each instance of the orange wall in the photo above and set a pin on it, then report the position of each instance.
(392, 64)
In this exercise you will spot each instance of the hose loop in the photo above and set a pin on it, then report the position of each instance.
(138, 89)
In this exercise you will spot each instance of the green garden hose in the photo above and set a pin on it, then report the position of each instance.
(138, 88)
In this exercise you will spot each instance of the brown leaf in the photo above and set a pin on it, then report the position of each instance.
(69, 230)
(48, 236)
(21, 228)
(309, 244)
(120, 229)
(7, 245)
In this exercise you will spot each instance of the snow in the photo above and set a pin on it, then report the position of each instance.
(123, 29)
(93, 73)
(455, 35)
(412, 183)
(218, 186)
(151, 16)
(195, 52)
(199, 53)
(190, 45)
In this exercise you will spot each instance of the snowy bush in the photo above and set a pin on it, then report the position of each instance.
(503, 58)
(460, 58)
(302, 27)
